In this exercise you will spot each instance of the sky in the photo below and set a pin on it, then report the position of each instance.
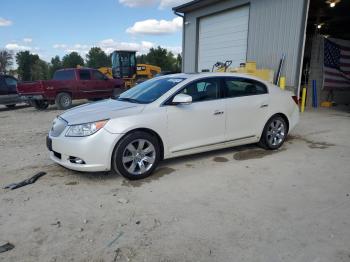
(57, 27)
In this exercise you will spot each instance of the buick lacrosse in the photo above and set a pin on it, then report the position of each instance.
(171, 116)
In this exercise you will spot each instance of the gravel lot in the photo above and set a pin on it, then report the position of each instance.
(239, 204)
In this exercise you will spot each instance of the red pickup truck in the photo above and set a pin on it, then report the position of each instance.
(70, 84)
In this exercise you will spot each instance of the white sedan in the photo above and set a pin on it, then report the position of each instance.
(172, 116)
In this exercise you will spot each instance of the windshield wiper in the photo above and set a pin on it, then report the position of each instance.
(128, 99)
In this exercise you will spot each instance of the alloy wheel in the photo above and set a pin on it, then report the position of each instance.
(276, 132)
(139, 156)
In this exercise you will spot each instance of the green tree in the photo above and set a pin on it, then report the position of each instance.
(178, 66)
(6, 60)
(25, 60)
(97, 58)
(55, 65)
(141, 59)
(72, 60)
(163, 58)
(40, 70)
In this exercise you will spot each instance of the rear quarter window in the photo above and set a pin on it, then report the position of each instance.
(98, 75)
(64, 75)
(236, 87)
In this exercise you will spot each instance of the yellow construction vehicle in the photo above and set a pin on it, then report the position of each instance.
(107, 71)
(124, 66)
(145, 72)
(245, 68)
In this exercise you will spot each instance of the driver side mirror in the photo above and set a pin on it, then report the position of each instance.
(182, 99)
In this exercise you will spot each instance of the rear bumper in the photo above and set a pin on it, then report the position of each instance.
(95, 150)
(294, 118)
(32, 97)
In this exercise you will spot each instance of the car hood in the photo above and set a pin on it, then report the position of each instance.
(106, 109)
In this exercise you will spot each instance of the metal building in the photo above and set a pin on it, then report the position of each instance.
(244, 30)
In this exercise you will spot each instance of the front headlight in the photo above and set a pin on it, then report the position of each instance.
(85, 129)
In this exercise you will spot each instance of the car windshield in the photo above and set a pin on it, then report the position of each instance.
(149, 91)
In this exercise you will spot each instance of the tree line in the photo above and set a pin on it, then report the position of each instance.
(31, 67)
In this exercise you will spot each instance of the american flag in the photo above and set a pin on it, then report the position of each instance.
(336, 65)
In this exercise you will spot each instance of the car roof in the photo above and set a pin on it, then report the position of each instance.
(75, 68)
(214, 74)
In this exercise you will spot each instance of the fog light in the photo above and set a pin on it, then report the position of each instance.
(76, 160)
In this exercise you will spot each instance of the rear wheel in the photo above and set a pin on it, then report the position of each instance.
(63, 101)
(40, 104)
(11, 106)
(136, 155)
(274, 134)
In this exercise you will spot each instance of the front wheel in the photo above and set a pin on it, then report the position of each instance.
(136, 155)
(274, 134)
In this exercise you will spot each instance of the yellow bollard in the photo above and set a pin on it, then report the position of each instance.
(303, 99)
(283, 82)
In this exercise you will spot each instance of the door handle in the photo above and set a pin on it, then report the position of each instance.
(264, 105)
(217, 113)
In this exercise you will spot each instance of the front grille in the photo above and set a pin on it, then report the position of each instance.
(58, 126)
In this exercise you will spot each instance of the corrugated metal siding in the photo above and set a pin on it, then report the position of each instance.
(275, 27)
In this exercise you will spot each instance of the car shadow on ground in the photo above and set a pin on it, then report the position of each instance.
(170, 166)
(6, 109)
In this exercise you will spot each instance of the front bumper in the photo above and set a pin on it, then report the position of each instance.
(96, 150)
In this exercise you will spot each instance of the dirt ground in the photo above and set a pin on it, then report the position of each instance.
(239, 204)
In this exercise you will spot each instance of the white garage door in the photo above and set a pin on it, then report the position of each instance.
(223, 37)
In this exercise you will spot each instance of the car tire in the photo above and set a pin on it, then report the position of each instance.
(136, 155)
(274, 134)
(11, 106)
(63, 101)
(40, 104)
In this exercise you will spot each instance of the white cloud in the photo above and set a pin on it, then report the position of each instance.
(174, 49)
(27, 40)
(138, 3)
(161, 3)
(156, 27)
(17, 47)
(59, 46)
(110, 45)
(5, 22)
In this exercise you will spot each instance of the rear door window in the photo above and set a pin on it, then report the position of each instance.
(237, 87)
(84, 75)
(64, 75)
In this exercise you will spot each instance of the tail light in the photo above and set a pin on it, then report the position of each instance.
(295, 98)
